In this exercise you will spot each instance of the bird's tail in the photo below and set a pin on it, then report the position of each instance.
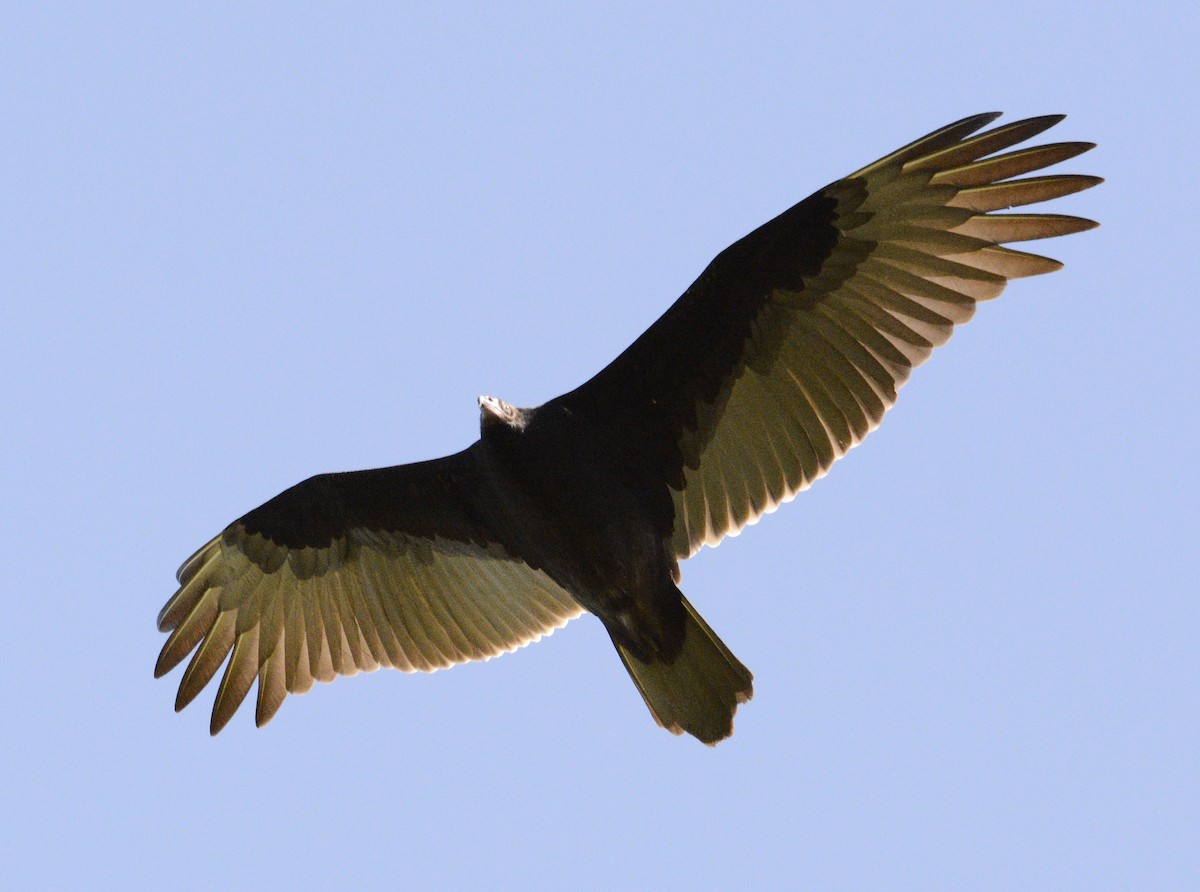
(699, 691)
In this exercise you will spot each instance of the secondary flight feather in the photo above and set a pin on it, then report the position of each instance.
(783, 354)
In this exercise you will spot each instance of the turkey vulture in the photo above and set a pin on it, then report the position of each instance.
(784, 354)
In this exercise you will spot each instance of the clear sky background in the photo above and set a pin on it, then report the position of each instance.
(244, 245)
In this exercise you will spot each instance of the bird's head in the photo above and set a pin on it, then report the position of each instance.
(494, 412)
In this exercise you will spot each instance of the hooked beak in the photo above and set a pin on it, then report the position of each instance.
(490, 409)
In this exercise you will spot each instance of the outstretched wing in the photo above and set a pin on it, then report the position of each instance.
(349, 572)
(792, 344)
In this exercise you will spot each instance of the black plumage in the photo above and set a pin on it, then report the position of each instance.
(784, 353)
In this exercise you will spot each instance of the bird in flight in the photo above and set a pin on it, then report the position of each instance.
(781, 356)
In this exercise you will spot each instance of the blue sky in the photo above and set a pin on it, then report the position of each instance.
(244, 245)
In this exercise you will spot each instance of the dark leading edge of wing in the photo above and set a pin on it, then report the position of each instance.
(791, 345)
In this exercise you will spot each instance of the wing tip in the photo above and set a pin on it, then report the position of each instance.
(983, 118)
(1046, 121)
(219, 720)
(162, 666)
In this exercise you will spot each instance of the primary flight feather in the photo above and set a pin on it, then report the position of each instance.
(784, 354)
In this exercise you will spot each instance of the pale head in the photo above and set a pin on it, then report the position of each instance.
(494, 411)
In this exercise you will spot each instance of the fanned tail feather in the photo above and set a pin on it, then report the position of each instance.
(700, 690)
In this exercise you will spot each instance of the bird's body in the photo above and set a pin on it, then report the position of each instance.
(783, 355)
(598, 538)
(604, 539)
